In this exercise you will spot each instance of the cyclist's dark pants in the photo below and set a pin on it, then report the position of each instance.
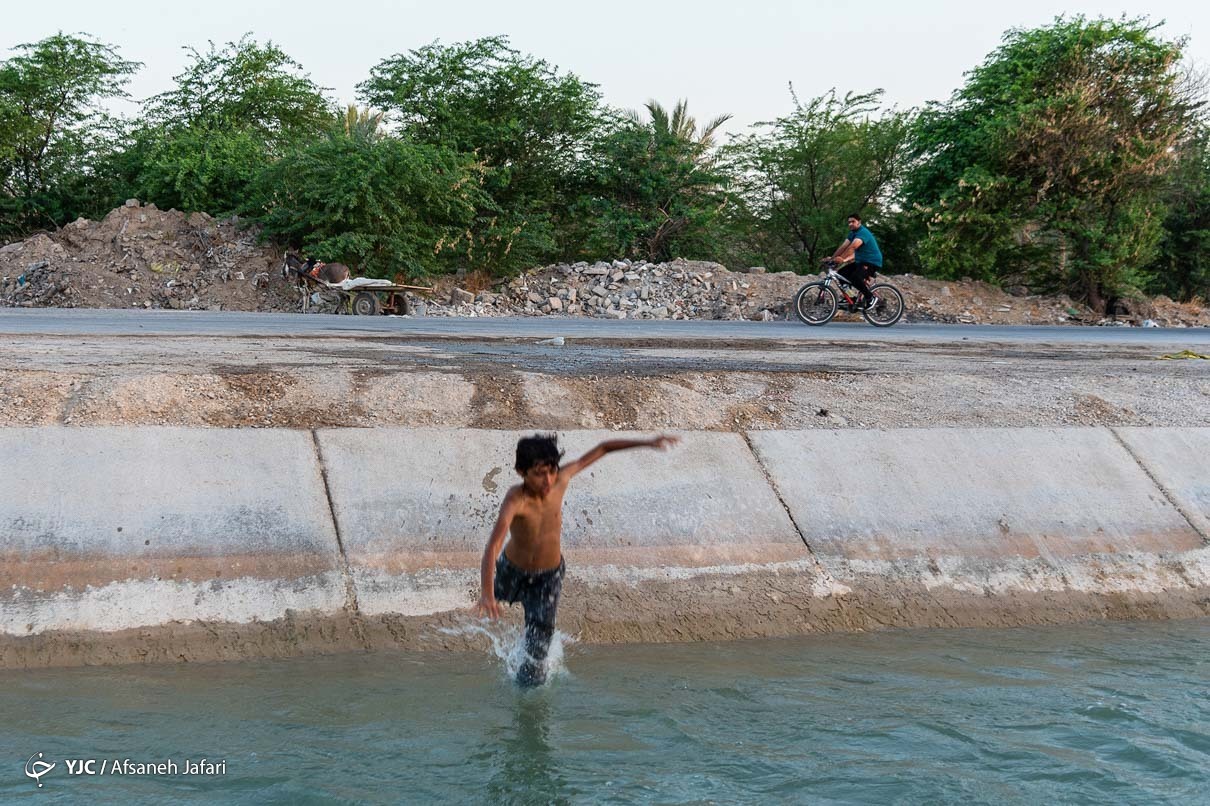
(859, 274)
(538, 592)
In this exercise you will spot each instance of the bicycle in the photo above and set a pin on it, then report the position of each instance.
(817, 302)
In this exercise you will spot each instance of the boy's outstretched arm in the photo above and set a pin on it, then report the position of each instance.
(663, 442)
(487, 604)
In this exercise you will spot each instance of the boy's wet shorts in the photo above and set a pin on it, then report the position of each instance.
(537, 591)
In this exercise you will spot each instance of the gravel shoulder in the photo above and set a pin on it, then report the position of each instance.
(515, 384)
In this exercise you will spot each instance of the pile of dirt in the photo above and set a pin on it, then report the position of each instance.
(688, 289)
(141, 257)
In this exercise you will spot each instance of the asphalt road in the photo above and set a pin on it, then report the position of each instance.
(106, 322)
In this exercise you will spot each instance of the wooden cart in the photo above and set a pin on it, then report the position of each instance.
(368, 300)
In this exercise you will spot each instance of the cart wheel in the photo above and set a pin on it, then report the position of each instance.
(366, 304)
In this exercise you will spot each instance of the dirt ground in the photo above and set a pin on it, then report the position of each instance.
(141, 257)
(347, 382)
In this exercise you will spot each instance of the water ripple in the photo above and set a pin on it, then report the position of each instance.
(1090, 714)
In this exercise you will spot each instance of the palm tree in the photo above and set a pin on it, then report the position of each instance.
(360, 123)
(683, 155)
(679, 125)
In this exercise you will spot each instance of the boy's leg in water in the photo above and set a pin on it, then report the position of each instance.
(541, 606)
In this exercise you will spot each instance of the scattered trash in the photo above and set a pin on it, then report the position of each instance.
(1149, 323)
(557, 341)
(1183, 354)
(90, 264)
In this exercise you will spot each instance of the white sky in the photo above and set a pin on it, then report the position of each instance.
(735, 57)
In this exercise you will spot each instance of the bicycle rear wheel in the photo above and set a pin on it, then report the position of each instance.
(889, 308)
(815, 303)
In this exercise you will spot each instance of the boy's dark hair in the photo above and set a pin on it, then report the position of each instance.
(856, 216)
(540, 449)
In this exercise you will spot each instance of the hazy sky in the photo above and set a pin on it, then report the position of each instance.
(723, 56)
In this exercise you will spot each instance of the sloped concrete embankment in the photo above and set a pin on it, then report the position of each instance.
(161, 544)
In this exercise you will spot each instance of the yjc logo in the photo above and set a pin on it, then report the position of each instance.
(36, 769)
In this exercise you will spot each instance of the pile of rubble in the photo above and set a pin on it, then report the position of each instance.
(688, 289)
(141, 257)
(682, 289)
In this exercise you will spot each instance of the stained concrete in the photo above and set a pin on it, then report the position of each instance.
(415, 508)
(971, 493)
(148, 544)
(980, 520)
(1178, 459)
(114, 528)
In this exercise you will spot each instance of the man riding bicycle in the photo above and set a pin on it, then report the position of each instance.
(860, 247)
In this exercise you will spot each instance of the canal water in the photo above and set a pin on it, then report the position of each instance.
(1109, 713)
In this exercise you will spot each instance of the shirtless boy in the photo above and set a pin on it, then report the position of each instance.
(530, 569)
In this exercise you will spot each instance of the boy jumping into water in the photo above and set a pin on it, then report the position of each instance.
(530, 569)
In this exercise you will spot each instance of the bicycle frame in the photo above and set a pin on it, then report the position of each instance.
(887, 307)
(841, 283)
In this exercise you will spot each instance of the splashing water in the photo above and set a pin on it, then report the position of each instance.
(508, 645)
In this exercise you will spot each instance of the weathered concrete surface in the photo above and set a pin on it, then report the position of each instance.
(1178, 459)
(228, 547)
(415, 508)
(110, 529)
(972, 493)
(980, 518)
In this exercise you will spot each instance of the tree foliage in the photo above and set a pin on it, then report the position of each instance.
(799, 179)
(1050, 161)
(52, 127)
(682, 127)
(1074, 157)
(528, 124)
(383, 204)
(1182, 267)
(653, 188)
(233, 112)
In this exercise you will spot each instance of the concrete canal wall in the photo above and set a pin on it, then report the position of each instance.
(161, 544)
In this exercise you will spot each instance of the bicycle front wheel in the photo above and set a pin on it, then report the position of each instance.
(888, 309)
(815, 303)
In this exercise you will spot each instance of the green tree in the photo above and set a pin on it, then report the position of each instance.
(654, 189)
(680, 126)
(234, 111)
(363, 123)
(53, 127)
(1182, 269)
(799, 180)
(381, 203)
(1050, 162)
(528, 124)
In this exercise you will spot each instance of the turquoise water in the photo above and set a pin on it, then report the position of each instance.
(1094, 714)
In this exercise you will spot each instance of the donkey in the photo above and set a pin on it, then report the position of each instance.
(328, 272)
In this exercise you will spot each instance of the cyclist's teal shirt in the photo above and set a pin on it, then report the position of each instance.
(868, 252)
